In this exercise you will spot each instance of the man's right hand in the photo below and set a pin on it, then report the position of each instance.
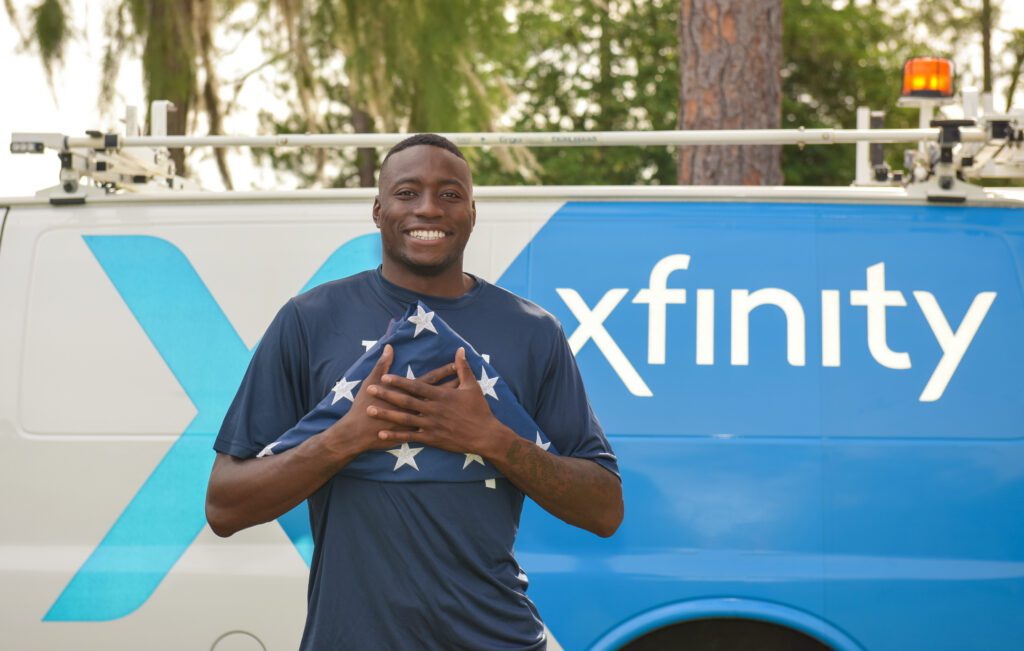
(244, 492)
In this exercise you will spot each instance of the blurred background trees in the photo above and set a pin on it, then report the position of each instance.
(594, 66)
(386, 65)
(468, 65)
(837, 58)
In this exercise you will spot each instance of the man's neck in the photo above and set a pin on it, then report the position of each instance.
(450, 283)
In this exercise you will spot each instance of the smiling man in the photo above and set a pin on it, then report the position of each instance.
(415, 565)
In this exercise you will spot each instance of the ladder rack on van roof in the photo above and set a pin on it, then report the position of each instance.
(984, 145)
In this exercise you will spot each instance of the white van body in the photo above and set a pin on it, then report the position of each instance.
(90, 406)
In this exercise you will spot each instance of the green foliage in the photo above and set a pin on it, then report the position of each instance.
(169, 57)
(595, 66)
(836, 59)
(411, 65)
(473, 65)
(424, 65)
(48, 33)
(955, 25)
(51, 30)
(1016, 67)
(614, 65)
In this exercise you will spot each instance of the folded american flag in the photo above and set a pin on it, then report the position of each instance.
(422, 341)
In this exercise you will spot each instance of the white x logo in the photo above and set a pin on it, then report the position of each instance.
(592, 327)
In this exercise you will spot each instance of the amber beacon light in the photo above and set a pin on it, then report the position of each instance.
(928, 77)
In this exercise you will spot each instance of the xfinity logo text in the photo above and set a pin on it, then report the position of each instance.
(875, 298)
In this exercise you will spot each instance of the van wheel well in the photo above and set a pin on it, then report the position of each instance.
(725, 634)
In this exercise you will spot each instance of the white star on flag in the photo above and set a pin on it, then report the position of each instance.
(268, 451)
(487, 383)
(472, 458)
(408, 373)
(405, 456)
(541, 445)
(343, 389)
(423, 320)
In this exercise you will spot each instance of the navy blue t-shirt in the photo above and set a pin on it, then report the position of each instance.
(418, 564)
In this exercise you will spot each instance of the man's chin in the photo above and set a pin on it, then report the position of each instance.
(427, 269)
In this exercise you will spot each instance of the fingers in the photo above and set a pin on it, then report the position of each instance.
(382, 366)
(465, 373)
(415, 387)
(396, 398)
(397, 417)
(438, 374)
(397, 437)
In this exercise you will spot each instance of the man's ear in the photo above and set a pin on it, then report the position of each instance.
(376, 212)
(472, 208)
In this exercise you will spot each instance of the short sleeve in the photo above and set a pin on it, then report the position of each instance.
(274, 390)
(564, 413)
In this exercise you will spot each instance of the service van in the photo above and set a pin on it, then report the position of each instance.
(815, 395)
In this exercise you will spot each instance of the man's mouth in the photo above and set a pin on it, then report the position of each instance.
(422, 234)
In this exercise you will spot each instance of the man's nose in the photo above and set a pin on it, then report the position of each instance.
(429, 207)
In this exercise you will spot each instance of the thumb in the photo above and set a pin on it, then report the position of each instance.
(382, 365)
(466, 377)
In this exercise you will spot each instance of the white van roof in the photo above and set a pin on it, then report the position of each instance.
(800, 194)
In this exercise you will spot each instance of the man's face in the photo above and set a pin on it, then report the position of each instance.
(424, 209)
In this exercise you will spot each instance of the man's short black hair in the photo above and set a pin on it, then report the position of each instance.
(431, 139)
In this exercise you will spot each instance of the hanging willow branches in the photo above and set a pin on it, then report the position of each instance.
(392, 65)
(173, 38)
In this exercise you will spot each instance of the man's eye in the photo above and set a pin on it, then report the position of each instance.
(450, 195)
(404, 193)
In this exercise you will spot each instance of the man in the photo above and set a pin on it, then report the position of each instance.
(414, 565)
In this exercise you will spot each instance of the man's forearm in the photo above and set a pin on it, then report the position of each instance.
(247, 492)
(577, 491)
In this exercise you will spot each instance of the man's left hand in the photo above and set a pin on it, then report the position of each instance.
(456, 417)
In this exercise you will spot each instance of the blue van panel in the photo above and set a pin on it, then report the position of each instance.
(837, 489)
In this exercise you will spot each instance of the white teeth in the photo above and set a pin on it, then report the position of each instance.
(427, 235)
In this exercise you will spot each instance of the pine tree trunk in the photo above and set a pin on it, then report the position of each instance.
(729, 61)
(986, 45)
(205, 25)
(366, 157)
(168, 65)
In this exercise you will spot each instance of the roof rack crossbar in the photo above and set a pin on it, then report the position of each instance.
(799, 137)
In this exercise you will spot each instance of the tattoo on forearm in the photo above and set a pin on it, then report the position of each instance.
(539, 471)
(574, 490)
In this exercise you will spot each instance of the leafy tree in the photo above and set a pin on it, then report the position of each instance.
(1016, 68)
(462, 65)
(390, 65)
(594, 66)
(837, 58)
(955, 24)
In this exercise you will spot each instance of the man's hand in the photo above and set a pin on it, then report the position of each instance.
(244, 492)
(360, 426)
(450, 417)
(577, 491)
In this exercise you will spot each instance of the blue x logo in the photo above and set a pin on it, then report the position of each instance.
(208, 358)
